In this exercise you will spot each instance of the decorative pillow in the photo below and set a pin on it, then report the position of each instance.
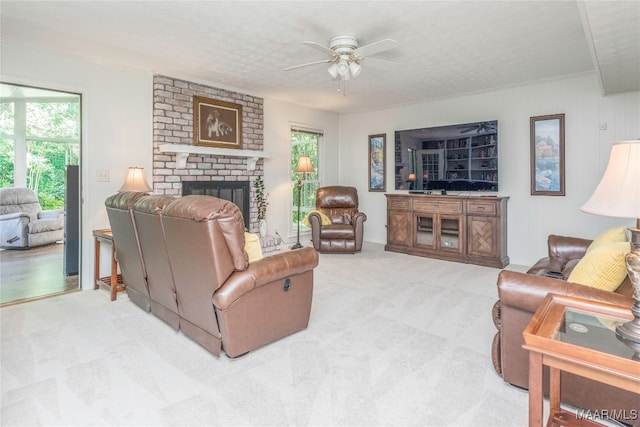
(603, 267)
(614, 235)
(323, 218)
(252, 246)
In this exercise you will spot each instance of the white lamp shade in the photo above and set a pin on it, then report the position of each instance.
(135, 181)
(333, 70)
(618, 193)
(355, 69)
(304, 165)
(343, 68)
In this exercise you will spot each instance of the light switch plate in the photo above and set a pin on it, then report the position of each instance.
(103, 175)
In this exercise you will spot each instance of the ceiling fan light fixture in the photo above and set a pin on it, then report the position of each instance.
(355, 69)
(333, 70)
(343, 68)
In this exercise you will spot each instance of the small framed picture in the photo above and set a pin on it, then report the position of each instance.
(547, 155)
(217, 123)
(377, 162)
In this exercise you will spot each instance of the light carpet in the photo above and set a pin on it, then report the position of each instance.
(393, 340)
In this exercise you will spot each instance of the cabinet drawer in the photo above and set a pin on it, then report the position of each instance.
(481, 207)
(394, 203)
(443, 207)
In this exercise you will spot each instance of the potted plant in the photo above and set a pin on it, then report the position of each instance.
(261, 203)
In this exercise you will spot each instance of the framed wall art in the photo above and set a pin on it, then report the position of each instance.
(377, 162)
(217, 123)
(547, 155)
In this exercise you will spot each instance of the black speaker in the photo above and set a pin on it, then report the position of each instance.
(72, 221)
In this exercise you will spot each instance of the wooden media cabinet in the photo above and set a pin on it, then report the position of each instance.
(469, 229)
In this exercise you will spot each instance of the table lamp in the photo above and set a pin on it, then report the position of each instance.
(135, 181)
(304, 167)
(411, 179)
(618, 195)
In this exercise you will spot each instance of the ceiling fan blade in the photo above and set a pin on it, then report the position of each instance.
(324, 61)
(379, 63)
(319, 47)
(376, 47)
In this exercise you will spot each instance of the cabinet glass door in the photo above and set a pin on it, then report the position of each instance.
(425, 230)
(450, 233)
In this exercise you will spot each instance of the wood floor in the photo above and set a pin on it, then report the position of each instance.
(33, 274)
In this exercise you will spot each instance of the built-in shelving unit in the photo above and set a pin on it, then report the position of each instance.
(473, 158)
(182, 152)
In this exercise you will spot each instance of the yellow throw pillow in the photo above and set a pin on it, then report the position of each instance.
(614, 235)
(323, 218)
(252, 246)
(603, 267)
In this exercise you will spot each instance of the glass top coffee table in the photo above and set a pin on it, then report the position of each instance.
(577, 336)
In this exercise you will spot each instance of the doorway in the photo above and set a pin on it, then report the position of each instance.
(40, 146)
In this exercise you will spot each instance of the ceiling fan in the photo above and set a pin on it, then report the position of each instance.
(345, 56)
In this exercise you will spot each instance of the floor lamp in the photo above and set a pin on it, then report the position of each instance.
(618, 195)
(304, 167)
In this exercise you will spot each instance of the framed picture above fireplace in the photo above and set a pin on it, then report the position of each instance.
(217, 123)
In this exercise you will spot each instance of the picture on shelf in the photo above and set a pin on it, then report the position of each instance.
(462, 157)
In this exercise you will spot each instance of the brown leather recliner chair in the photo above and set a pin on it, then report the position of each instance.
(223, 301)
(162, 291)
(521, 294)
(345, 233)
(125, 238)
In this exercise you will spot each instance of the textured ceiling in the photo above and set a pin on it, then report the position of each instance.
(446, 48)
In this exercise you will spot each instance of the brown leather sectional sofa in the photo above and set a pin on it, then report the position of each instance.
(184, 260)
(521, 294)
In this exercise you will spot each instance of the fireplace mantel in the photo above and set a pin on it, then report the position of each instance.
(182, 152)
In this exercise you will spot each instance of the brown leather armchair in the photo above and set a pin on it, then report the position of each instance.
(344, 233)
(521, 294)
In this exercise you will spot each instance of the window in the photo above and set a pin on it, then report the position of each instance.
(304, 142)
(7, 144)
(39, 137)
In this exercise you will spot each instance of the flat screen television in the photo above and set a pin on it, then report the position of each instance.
(461, 157)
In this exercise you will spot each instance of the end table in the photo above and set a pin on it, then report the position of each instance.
(577, 336)
(114, 282)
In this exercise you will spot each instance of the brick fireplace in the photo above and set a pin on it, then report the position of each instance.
(173, 124)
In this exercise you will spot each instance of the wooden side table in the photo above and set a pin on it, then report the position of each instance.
(114, 282)
(575, 335)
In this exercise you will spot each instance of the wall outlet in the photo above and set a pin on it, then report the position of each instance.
(103, 176)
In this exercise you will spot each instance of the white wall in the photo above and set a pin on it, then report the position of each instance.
(278, 118)
(117, 133)
(530, 218)
(117, 126)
